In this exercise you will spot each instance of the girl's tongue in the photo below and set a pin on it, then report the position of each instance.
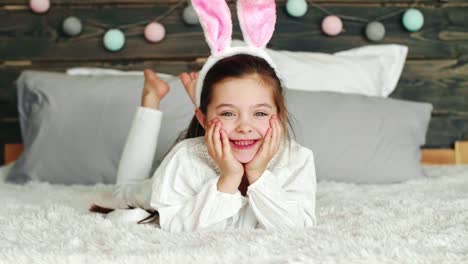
(243, 144)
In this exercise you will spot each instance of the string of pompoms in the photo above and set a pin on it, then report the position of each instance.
(332, 24)
(154, 32)
(114, 37)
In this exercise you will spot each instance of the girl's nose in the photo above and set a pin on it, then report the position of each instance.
(244, 127)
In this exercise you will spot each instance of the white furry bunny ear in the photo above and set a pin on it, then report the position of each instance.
(257, 20)
(215, 18)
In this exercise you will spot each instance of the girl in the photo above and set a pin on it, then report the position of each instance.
(237, 167)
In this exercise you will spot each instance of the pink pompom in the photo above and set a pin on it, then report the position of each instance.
(39, 6)
(154, 32)
(332, 25)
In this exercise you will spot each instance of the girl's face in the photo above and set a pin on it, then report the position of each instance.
(244, 106)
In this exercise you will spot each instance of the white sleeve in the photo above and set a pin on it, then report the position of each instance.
(185, 202)
(137, 156)
(289, 206)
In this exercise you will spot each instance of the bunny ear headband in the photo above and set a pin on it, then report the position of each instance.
(257, 20)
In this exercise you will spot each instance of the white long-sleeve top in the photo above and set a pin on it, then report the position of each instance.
(184, 187)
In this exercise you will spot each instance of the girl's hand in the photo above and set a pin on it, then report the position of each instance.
(154, 90)
(189, 80)
(220, 150)
(271, 142)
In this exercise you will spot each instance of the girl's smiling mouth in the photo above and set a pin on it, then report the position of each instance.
(243, 144)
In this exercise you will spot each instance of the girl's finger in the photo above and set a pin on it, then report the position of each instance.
(276, 134)
(226, 144)
(208, 138)
(267, 141)
(217, 140)
(262, 148)
(280, 131)
(268, 137)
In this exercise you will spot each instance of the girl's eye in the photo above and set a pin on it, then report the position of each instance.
(260, 114)
(227, 114)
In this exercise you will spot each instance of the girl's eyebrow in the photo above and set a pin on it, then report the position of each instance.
(255, 106)
(224, 105)
(262, 105)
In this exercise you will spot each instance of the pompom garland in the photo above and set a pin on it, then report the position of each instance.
(155, 32)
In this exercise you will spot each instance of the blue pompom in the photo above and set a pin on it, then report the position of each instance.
(413, 20)
(296, 8)
(114, 39)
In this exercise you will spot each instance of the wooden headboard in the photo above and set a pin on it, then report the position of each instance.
(436, 70)
(458, 155)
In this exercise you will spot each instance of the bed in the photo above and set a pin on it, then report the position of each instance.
(419, 221)
(405, 218)
(416, 220)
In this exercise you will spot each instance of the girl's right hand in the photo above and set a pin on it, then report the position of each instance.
(154, 90)
(220, 150)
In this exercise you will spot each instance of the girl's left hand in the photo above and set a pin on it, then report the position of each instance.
(271, 142)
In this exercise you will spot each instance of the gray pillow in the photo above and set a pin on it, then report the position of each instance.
(360, 139)
(74, 127)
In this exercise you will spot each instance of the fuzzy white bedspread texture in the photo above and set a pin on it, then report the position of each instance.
(420, 221)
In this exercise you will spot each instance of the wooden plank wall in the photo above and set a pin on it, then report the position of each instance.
(436, 70)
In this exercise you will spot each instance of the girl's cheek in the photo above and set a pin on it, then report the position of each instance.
(264, 128)
(214, 117)
(227, 126)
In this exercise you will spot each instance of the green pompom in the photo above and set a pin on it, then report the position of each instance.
(114, 40)
(413, 20)
(296, 8)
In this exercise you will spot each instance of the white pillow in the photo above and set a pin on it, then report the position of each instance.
(383, 63)
(372, 70)
(105, 71)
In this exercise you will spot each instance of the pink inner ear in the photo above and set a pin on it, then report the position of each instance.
(257, 19)
(215, 18)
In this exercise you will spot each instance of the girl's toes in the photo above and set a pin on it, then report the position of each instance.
(108, 200)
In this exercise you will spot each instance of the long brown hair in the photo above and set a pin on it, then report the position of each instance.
(239, 66)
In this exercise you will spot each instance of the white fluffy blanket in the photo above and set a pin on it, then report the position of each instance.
(423, 221)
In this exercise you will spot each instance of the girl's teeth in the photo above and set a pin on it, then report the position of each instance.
(244, 142)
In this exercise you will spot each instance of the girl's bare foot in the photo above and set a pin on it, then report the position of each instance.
(154, 90)
(106, 202)
(189, 80)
